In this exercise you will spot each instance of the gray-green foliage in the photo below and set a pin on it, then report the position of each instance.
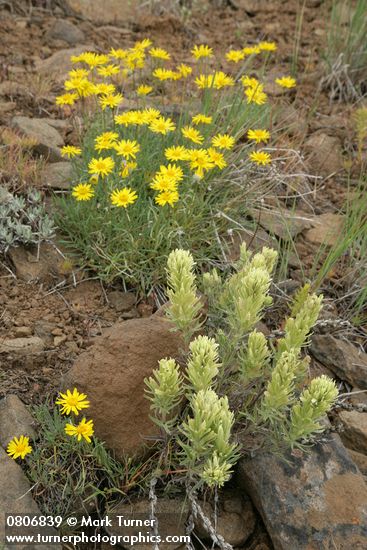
(23, 220)
(277, 406)
(346, 52)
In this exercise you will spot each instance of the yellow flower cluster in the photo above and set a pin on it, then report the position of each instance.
(140, 138)
(254, 90)
(70, 402)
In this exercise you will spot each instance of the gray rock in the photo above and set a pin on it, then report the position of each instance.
(58, 175)
(235, 518)
(324, 153)
(15, 420)
(48, 267)
(22, 346)
(327, 230)
(359, 459)
(354, 435)
(63, 29)
(109, 11)
(315, 501)
(290, 120)
(121, 301)
(16, 498)
(342, 358)
(59, 64)
(281, 222)
(47, 139)
(171, 515)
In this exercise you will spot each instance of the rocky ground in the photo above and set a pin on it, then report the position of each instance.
(53, 312)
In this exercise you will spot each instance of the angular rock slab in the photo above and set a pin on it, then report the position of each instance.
(342, 357)
(58, 175)
(15, 420)
(47, 140)
(16, 498)
(316, 502)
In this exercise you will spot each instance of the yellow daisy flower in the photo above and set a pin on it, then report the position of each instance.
(223, 141)
(159, 53)
(202, 51)
(144, 89)
(184, 70)
(172, 172)
(286, 82)
(111, 101)
(258, 135)
(256, 95)
(143, 44)
(162, 125)
(19, 447)
(127, 148)
(163, 184)
(101, 166)
(104, 88)
(202, 119)
(150, 114)
(217, 80)
(105, 141)
(193, 134)
(123, 197)
(267, 46)
(118, 53)
(250, 81)
(221, 80)
(260, 157)
(235, 55)
(167, 197)
(217, 158)
(78, 73)
(83, 430)
(70, 151)
(176, 152)
(251, 50)
(200, 162)
(108, 70)
(127, 168)
(83, 192)
(164, 74)
(83, 86)
(66, 99)
(72, 402)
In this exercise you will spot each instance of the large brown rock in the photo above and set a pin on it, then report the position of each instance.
(312, 502)
(112, 373)
(341, 357)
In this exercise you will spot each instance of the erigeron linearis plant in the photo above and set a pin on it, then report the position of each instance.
(150, 177)
(191, 404)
